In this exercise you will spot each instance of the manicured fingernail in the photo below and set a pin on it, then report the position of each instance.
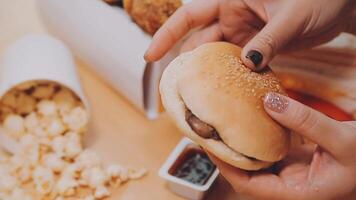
(256, 57)
(276, 102)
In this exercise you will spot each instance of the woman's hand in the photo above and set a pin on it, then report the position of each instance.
(325, 172)
(263, 27)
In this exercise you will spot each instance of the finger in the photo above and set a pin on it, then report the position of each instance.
(351, 123)
(210, 33)
(313, 40)
(189, 16)
(279, 30)
(260, 185)
(311, 124)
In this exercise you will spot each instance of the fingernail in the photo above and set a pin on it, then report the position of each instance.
(276, 102)
(256, 57)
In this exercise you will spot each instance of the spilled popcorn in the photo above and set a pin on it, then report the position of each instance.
(48, 122)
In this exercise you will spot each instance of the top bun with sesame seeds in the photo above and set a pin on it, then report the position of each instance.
(218, 103)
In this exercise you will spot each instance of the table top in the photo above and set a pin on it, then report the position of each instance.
(118, 132)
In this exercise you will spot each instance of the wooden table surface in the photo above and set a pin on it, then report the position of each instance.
(118, 132)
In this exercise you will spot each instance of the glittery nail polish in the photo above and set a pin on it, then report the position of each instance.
(256, 57)
(276, 102)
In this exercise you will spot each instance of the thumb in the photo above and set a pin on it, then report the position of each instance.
(279, 30)
(310, 123)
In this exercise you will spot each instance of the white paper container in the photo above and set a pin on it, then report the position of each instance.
(105, 37)
(39, 58)
(182, 187)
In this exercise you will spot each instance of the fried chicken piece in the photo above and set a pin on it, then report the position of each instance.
(151, 14)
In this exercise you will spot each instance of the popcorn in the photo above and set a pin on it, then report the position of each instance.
(66, 186)
(88, 159)
(20, 194)
(47, 108)
(31, 122)
(90, 197)
(115, 182)
(76, 119)
(40, 132)
(44, 146)
(43, 91)
(64, 100)
(27, 86)
(4, 157)
(44, 141)
(7, 183)
(137, 174)
(124, 175)
(4, 196)
(25, 104)
(101, 192)
(14, 125)
(43, 179)
(73, 136)
(51, 155)
(16, 162)
(5, 169)
(10, 99)
(19, 101)
(33, 155)
(94, 177)
(114, 171)
(72, 170)
(54, 162)
(24, 174)
(58, 145)
(5, 111)
(27, 141)
(72, 149)
(55, 127)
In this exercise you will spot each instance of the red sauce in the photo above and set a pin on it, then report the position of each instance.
(321, 105)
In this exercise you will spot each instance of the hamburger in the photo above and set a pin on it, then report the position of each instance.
(218, 103)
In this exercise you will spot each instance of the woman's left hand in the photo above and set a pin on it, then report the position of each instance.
(264, 28)
(325, 172)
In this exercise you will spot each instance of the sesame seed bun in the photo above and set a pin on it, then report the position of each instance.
(213, 84)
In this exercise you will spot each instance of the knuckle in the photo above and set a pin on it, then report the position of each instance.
(305, 120)
(171, 34)
(350, 134)
(189, 20)
(268, 41)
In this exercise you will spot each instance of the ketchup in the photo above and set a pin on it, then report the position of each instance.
(321, 105)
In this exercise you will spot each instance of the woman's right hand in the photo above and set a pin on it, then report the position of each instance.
(323, 173)
(263, 27)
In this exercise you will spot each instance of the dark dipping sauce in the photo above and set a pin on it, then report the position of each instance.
(193, 165)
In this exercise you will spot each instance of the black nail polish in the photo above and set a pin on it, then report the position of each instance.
(255, 56)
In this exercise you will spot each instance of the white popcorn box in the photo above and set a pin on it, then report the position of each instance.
(39, 58)
(112, 44)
